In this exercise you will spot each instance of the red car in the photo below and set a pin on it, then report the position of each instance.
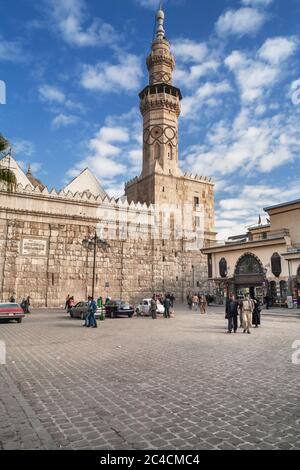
(11, 311)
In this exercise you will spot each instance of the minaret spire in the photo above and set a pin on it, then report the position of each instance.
(160, 17)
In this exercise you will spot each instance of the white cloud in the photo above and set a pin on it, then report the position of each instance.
(263, 3)
(152, 4)
(240, 22)
(58, 103)
(257, 74)
(205, 95)
(235, 214)
(70, 17)
(114, 152)
(248, 145)
(35, 167)
(64, 120)
(187, 50)
(253, 77)
(23, 147)
(11, 51)
(194, 60)
(52, 94)
(105, 77)
(277, 50)
(191, 75)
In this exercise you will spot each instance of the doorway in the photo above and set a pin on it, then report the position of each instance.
(252, 291)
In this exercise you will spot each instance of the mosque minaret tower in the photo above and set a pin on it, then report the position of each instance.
(161, 180)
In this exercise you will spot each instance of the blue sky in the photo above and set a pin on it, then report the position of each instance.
(73, 70)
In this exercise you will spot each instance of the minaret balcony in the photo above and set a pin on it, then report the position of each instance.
(161, 88)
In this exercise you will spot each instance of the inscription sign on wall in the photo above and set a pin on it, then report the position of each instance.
(34, 247)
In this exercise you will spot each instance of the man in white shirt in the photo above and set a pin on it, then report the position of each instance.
(247, 309)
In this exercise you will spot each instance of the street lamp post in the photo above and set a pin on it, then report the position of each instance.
(193, 268)
(92, 244)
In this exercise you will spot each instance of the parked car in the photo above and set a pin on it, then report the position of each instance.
(11, 311)
(80, 310)
(144, 307)
(116, 308)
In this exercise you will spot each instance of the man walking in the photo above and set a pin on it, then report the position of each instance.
(189, 300)
(167, 305)
(195, 302)
(90, 320)
(232, 313)
(153, 308)
(247, 309)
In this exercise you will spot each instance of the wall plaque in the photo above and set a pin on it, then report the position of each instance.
(34, 247)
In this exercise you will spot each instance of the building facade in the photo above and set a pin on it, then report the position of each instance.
(265, 262)
(42, 231)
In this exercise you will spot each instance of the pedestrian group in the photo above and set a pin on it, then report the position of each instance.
(247, 309)
(167, 301)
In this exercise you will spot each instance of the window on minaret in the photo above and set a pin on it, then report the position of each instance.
(157, 151)
(170, 152)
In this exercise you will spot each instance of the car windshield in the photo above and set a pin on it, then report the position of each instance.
(10, 305)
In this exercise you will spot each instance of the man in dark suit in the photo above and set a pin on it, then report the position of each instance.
(232, 313)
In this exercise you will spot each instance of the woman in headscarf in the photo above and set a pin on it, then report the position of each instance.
(256, 313)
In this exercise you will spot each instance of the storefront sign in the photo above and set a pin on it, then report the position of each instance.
(34, 247)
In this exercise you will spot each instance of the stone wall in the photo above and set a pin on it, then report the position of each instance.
(134, 267)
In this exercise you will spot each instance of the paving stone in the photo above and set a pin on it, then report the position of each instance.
(170, 385)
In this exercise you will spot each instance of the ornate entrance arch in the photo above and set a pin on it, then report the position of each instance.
(249, 271)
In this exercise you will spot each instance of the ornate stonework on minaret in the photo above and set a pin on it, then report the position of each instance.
(161, 181)
(160, 108)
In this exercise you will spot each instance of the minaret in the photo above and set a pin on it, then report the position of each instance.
(160, 108)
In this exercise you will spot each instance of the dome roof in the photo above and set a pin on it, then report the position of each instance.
(34, 181)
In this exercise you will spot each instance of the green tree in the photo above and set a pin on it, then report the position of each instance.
(6, 175)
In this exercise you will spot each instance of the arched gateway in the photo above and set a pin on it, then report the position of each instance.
(249, 275)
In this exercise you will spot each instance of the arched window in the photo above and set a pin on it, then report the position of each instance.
(157, 151)
(223, 267)
(249, 264)
(276, 264)
(170, 152)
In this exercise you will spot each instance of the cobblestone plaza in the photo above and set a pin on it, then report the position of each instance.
(136, 383)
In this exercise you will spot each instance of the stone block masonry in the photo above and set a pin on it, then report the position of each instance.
(41, 252)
